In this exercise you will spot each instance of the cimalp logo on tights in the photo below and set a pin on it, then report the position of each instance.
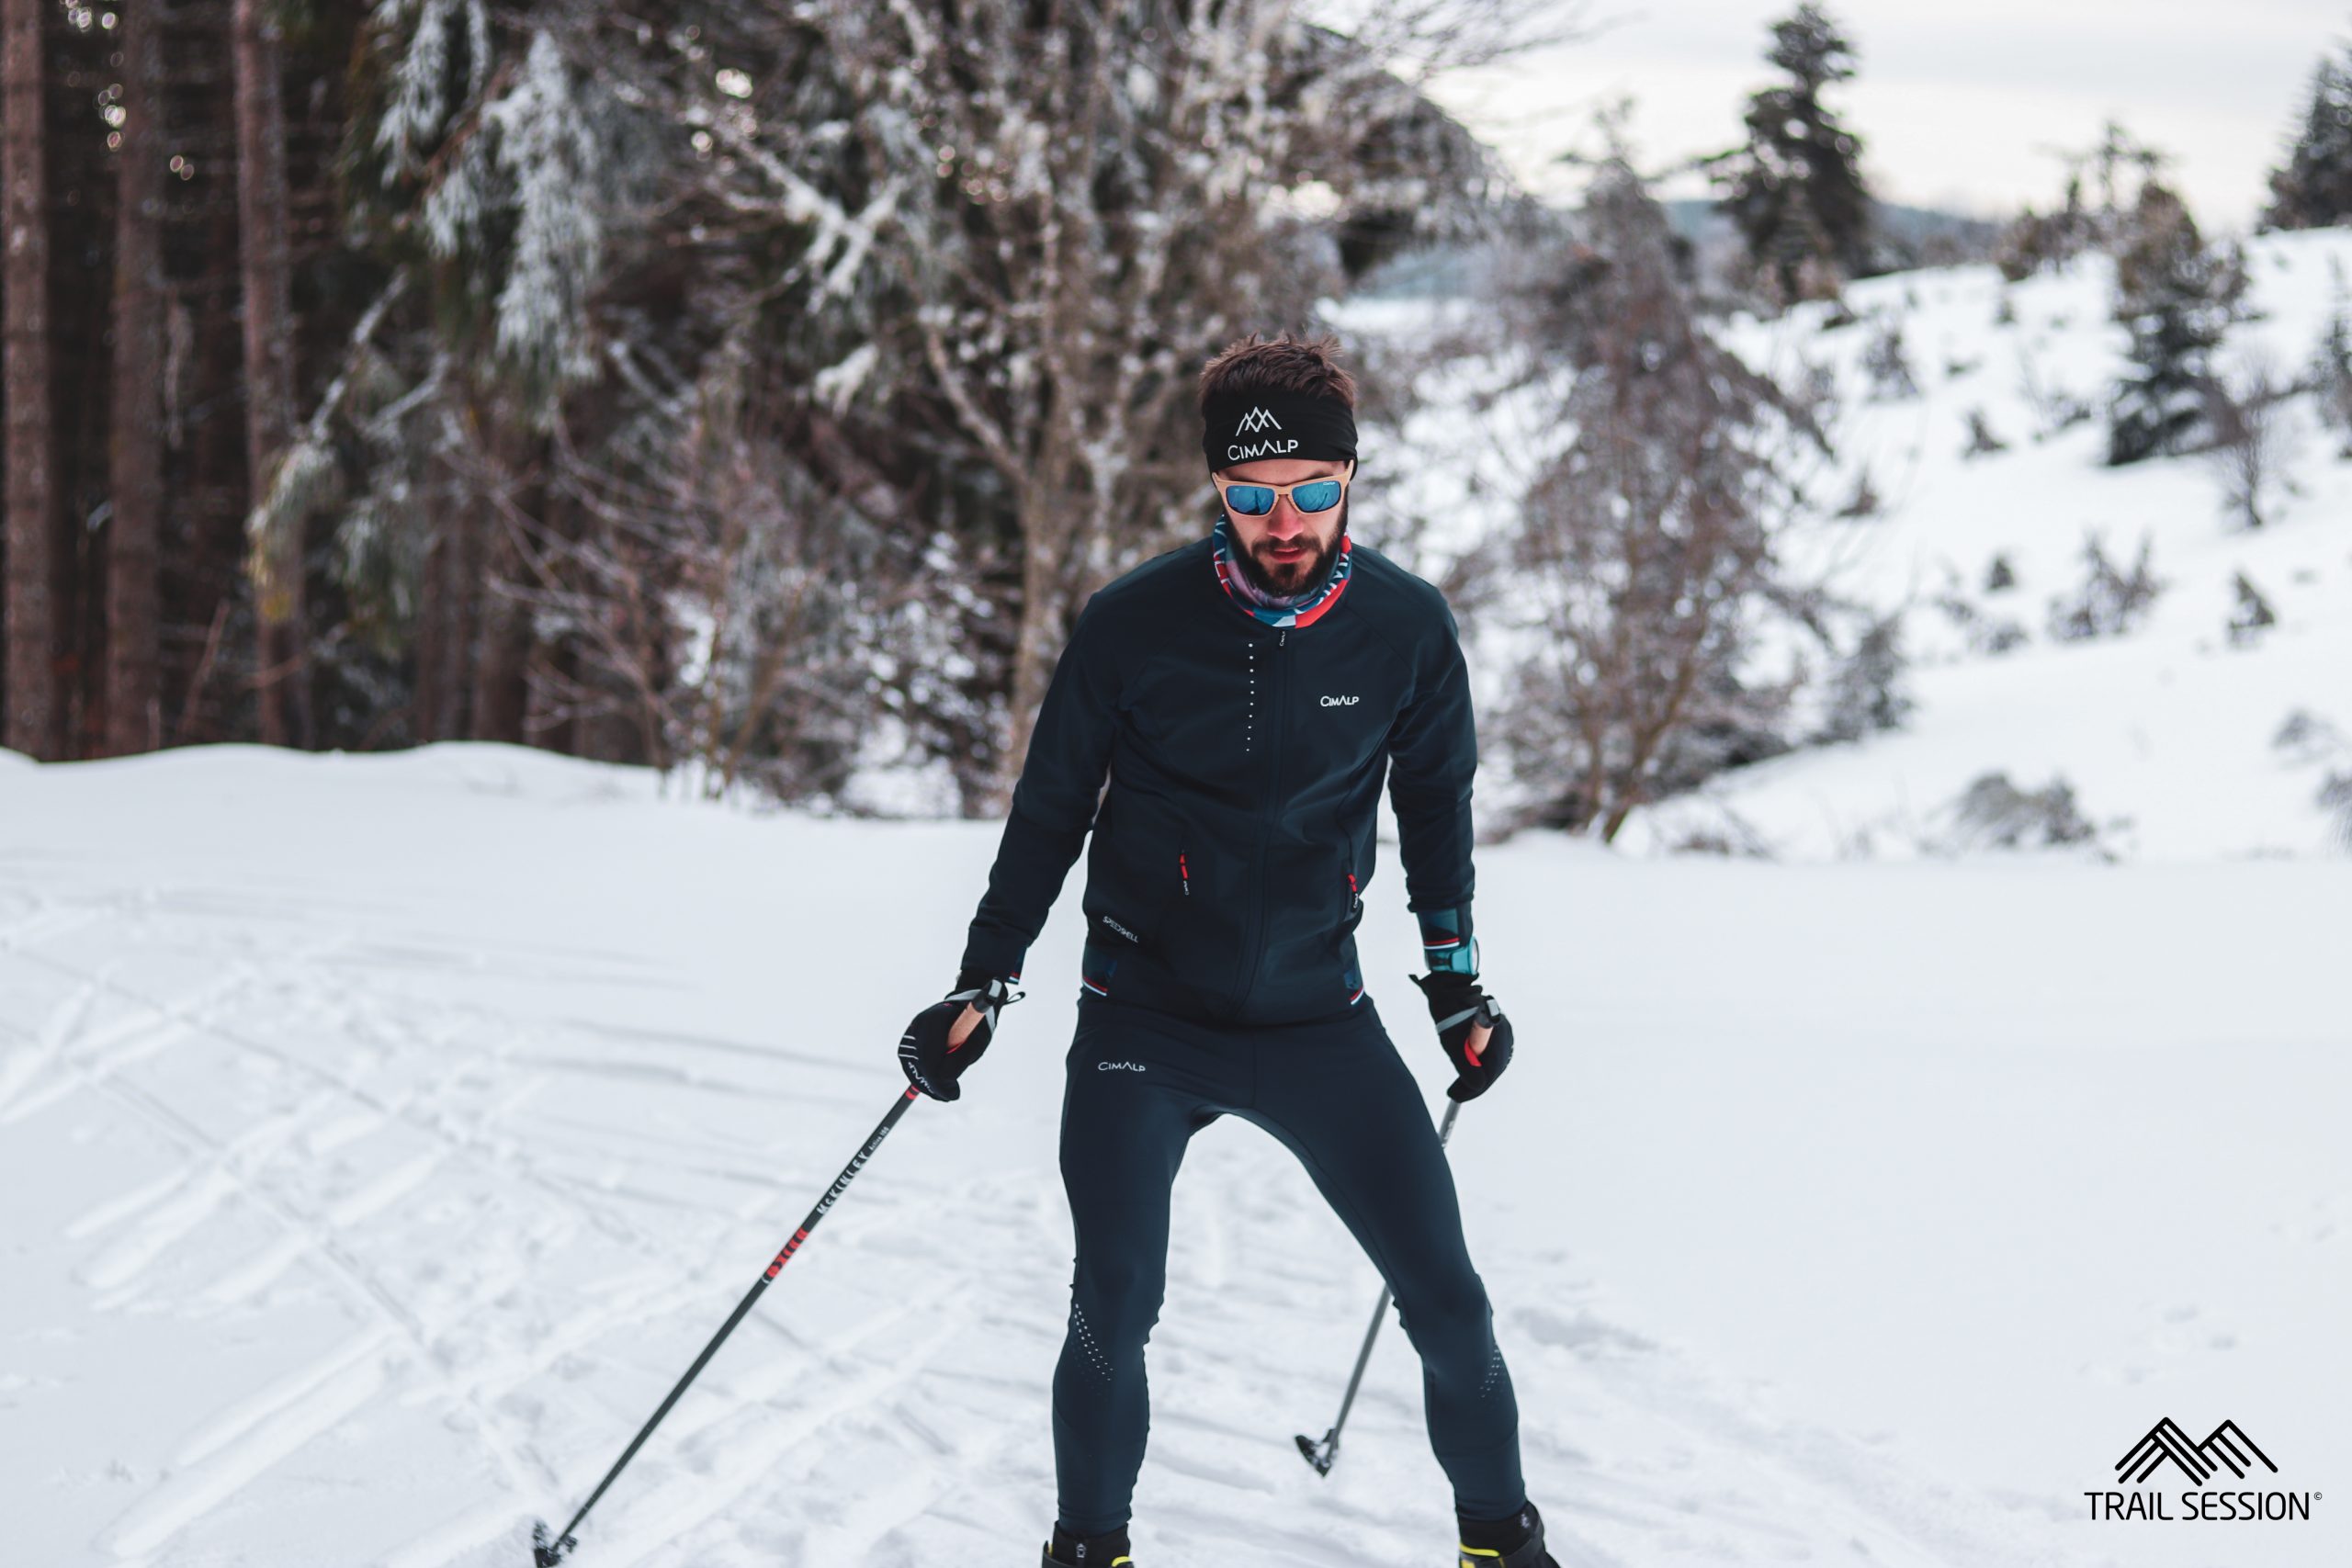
(2209, 1496)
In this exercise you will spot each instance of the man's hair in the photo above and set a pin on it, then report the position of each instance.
(1285, 363)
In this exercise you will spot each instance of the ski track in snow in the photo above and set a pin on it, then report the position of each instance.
(737, 1474)
(404, 1243)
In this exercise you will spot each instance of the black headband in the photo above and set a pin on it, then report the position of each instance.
(1245, 426)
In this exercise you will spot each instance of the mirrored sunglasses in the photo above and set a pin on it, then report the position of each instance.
(1308, 495)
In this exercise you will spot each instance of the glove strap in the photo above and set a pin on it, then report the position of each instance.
(1464, 1015)
(985, 995)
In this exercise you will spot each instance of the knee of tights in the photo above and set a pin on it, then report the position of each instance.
(1448, 1317)
(1121, 1303)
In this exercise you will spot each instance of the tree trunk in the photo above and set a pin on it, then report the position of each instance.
(502, 692)
(32, 612)
(501, 667)
(1053, 525)
(274, 563)
(434, 645)
(136, 461)
(1034, 648)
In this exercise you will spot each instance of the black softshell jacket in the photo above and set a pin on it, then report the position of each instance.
(1244, 763)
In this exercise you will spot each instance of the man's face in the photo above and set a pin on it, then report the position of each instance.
(1286, 550)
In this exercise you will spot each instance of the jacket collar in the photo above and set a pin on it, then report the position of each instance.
(1304, 610)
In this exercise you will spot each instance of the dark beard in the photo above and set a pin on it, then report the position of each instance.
(1298, 578)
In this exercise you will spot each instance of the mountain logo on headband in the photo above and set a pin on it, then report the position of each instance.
(1256, 420)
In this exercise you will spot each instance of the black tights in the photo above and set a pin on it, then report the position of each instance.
(1140, 1083)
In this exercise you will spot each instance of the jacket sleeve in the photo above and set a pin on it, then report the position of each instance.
(1433, 754)
(1053, 803)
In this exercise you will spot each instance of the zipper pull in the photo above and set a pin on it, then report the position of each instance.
(1183, 873)
(1283, 638)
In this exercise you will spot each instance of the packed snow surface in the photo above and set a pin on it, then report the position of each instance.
(381, 1137)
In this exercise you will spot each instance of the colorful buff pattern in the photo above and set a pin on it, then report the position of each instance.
(1302, 610)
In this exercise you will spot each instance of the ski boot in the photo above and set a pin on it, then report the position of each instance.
(1514, 1542)
(1068, 1551)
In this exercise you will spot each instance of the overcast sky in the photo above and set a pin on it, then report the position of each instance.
(1957, 104)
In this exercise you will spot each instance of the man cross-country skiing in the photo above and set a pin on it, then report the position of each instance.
(1243, 695)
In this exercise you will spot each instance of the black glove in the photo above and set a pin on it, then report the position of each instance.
(1457, 1006)
(930, 1062)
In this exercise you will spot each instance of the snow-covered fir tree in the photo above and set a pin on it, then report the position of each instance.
(1796, 186)
(2175, 295)
(2331, 366)
(2312, 189)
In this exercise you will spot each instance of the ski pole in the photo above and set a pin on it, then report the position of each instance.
(545, 1550)
(1324, 1454)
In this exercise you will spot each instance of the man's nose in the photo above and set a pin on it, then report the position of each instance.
(1286, 520)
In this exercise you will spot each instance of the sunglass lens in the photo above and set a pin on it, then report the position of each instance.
(1320, 496)
(1250, 501)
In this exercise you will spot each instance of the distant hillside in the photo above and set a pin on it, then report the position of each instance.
(1963, 505)
(1919, 234)
(1919, 231)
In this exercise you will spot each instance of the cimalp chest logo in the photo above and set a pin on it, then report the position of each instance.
(1255, 421)
(2210, 1495)
(1341, 702)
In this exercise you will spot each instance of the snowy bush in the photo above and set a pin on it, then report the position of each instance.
(1718, 840)
(1866, 689)
(1863, 500)
(1990, 634)
(2252, 617)
(2035, 242)
(1888, 366)
(2336, 799)
(1995, 634)
(2254, 442)
(2000, 576)
(1993, 813)
(2331, 371)
(2305, 737)
(2053, 407)
(2110, 602)
(1982, 441)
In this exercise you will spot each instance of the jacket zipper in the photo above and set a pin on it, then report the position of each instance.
(1266, 816)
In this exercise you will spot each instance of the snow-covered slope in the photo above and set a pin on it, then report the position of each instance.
(379, 1138)
(2167, 733)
